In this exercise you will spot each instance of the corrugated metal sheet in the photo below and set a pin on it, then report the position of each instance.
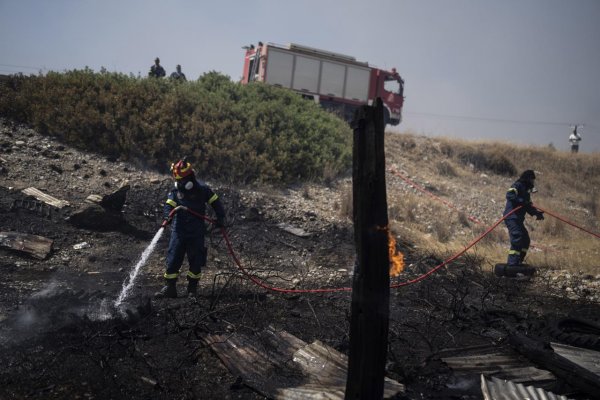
(281, 366)
(585, 358)
(499, 389)
(495, 361)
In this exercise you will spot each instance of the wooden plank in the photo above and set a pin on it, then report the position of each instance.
(41, 196)
(36, 246)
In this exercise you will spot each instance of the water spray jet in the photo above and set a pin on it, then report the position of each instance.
(128, 284)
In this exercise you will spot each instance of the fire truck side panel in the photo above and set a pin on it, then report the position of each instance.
(357, 84)
(316, 76)
(279, 69)
(306, 74)
(333, 77)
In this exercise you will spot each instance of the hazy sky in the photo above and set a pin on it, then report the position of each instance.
(513, 70)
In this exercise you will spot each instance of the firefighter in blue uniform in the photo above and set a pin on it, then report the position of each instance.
(187, 231)
(519, 194)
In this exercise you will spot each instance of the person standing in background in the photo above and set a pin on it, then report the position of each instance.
(575, 138)
(178, 75)
(156, 71)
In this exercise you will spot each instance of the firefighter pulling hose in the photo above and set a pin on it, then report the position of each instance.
(187, 231)
(519, 196)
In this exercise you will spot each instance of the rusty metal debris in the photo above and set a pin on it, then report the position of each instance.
(498, 362)
(281, 366)
(577, 366)
(585, 358)
(500, 389)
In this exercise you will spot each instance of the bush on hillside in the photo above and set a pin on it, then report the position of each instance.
(444, 168)
(230, 131)
(486, 160)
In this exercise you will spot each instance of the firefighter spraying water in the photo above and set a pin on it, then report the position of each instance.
(185, 202)
(184, 207)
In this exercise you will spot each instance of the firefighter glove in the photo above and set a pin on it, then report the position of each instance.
(539, 216)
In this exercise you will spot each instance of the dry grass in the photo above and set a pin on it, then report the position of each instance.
(567, 186)
(346, 205)
(445, 168)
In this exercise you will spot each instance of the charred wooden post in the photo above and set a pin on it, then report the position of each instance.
(371, 286)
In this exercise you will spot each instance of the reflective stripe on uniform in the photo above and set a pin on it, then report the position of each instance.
(193, 276)
(171, 276)
(512, 190)
(213, 199)
(172, 203)
(524, 251)
(514, 252)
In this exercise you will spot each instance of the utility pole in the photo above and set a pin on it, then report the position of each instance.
(371, 284)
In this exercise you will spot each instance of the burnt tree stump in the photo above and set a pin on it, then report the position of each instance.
(371, 284)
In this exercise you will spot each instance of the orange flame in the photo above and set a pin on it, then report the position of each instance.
(396, 257)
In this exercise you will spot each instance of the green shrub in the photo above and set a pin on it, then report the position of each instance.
(230, 131)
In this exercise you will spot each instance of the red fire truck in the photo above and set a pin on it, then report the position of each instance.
(336, 81)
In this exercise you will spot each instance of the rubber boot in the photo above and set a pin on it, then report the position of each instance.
(192, 288)
(522, 258)
(169, 290)
(514, 259)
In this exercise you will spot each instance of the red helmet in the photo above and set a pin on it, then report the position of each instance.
(181, 169)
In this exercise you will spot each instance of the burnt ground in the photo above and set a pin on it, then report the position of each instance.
(60, 338)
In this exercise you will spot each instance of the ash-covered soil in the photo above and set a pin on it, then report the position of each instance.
(62, 338)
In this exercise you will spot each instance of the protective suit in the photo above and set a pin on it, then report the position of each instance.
(519, 194)
(188, 230)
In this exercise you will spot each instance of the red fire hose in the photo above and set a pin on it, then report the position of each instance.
(266, 286)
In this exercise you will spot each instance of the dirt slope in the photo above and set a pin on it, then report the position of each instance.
(57, 340)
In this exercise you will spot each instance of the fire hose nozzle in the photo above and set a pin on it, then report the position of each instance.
(168, 220)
